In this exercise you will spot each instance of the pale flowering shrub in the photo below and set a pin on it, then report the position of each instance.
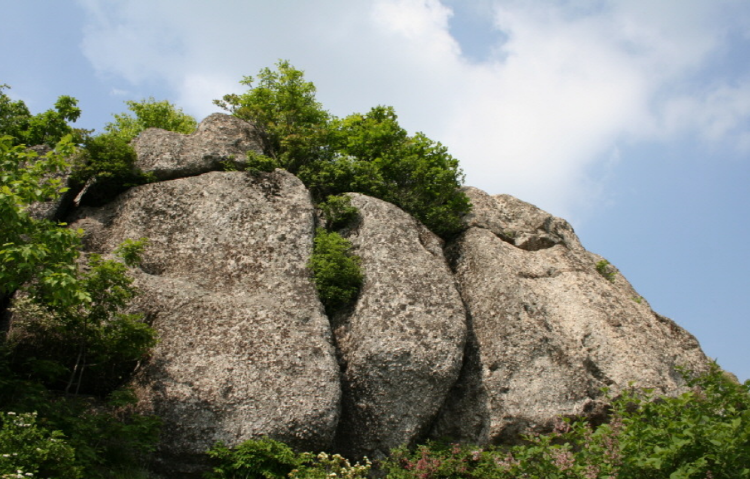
(329, 466)
(28, 451)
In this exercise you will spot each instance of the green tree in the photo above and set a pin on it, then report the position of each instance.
(68, 333)
(110, 159)
(377, 157)
(35, 253)
(367, 153)
(14, 117)
(88, 345)
(68, 308)
(45, 128)
(291, 124)
(150, 114)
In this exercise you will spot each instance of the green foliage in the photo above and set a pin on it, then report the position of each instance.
(51, 126)
(85, 345)
(130, 251)
(108, 437)
(32, 249)
(46, 128)
(27, 450)
(101, 437)
(257, 163)
(269, 459)
(336, 271)
(14, 117)
(370, 153)
(605, 269)
(261, 458)
(703, 433)
(291, 124)
(111, 160)
(67, 334)
(326, 466)
(338, 212)
(375, 156)
(150, 114)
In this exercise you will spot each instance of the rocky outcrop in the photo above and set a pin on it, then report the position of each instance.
(245, 348)
(518, 223)
(220, 141)
(401, 348)
(514, 328)
(547, 330)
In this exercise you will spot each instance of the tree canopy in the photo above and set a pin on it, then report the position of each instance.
(291, 124)
(45, 128)
(110, 159)
(69, 336)
(149, 113)
(367, 153)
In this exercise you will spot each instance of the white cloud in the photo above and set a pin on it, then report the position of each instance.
(570, 81)
(720, 114)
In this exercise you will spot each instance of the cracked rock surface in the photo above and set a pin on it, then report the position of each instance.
(401, 348)
(546, 330)
(220, 139)
(490, 336)
(245, 348)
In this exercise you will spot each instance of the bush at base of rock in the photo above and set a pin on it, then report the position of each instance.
(29, 451)
(703, 433)
(271, 459)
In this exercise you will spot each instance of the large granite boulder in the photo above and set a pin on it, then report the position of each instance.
(401, 347)
(245, 348)
(547, 330)
(220, 141)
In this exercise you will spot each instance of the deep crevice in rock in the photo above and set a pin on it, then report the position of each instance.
(451, 421)
(527, 241)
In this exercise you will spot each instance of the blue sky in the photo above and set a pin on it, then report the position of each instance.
(629, 118)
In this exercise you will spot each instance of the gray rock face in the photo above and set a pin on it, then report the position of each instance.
(219, 138)
(401, 347)
(517, 222)
(245, 348)
(516, 328)
(546, 329)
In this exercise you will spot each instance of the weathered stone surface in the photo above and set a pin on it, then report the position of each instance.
(547, 331)
(219, 138)
(517, 222)
(245, 348)
(402, 345)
